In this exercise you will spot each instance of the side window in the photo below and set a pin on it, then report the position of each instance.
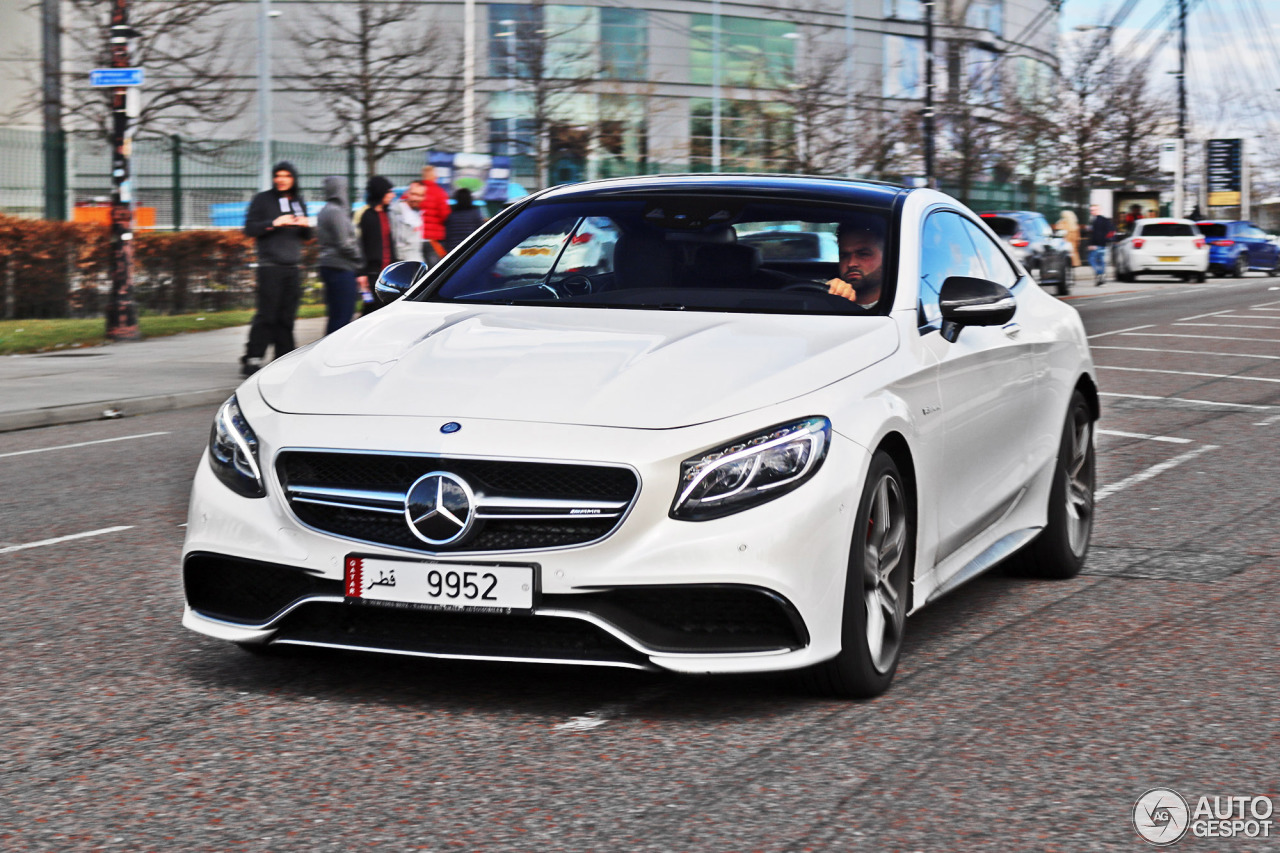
(998, 268)
(945, 250)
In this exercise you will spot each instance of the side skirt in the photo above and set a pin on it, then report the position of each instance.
(998, 551)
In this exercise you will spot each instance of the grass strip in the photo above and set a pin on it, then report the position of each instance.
(20, 336)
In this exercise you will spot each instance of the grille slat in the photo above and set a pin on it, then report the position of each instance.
(320, 487)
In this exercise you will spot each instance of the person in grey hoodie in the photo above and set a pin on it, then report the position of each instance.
(340, 255)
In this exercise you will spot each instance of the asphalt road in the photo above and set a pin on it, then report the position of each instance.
(1026, 715)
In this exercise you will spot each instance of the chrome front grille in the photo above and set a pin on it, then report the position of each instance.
(519, 505)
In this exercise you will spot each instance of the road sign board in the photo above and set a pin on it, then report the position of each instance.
(112, 77)
(1224, 165)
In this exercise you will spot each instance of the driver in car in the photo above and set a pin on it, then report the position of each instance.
(861, 247)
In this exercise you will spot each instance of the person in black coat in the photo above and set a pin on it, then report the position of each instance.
(464, 219)
(376, 237)
(277, 220)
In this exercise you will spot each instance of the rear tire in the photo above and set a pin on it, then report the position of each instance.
(1059, 552)
(881, 561)
(1241, 266)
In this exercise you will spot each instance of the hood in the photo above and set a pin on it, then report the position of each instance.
(335, 189)
(641, 369)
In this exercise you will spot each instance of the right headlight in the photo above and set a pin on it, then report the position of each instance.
(233, 451)
(751, 470)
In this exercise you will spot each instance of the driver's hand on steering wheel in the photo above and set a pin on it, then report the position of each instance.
(840, 287)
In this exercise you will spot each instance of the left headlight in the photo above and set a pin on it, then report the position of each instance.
(751, 470)
(233, 451)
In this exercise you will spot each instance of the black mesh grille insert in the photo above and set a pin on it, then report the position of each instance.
(695, 618)
(446, 632)
(246, 590)
(397, 473)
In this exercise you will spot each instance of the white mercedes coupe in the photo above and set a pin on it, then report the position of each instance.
(702, 453)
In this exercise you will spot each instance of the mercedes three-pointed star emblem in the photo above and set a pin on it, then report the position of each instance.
(440, 508)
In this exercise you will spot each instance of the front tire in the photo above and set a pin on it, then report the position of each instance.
(1059, 552)
(881, 561)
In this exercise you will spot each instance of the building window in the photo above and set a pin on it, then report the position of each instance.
(754, 53)
(624, 43)
(903, 67)
(986, 15)
(511, 29)
(984, 77)
(904, 10)
(754, 135)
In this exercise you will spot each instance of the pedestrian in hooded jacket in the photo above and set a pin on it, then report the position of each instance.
(340, 255)
(377, 240)
(277, 220)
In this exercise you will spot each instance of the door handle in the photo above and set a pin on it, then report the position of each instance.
(1012, 330)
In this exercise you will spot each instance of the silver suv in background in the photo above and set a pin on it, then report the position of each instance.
(1045, 254)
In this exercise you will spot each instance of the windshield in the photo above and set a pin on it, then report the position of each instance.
(680, 253)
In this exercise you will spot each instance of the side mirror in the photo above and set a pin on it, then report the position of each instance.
(397, 278)
(1061, 232)
(966, 301)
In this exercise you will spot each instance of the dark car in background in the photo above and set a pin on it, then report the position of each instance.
(1237, 246)
(1034, 243)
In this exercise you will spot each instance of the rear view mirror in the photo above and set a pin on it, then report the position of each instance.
(398, 278)
(966, 301)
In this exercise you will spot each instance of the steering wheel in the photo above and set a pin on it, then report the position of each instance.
(575, 285)
(808, 286)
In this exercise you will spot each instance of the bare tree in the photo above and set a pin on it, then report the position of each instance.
(815, 94)
(1134, 128)
(1032, 139)
(182, 44)
(380, 76)
(548, 62)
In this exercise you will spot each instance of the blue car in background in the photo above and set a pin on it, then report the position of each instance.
(1236, 246)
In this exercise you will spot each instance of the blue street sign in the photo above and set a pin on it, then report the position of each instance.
(112, 77)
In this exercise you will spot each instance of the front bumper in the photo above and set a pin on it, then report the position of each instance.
(759, 590)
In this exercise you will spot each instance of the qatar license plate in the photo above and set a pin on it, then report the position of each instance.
(447, 585)
(1170, 259)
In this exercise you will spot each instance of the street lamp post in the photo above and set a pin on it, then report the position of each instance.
(849, 88)
(469, 76)
(122, 313)
(264, 88)
(715, 85)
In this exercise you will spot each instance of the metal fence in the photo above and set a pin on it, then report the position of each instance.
(193, 184)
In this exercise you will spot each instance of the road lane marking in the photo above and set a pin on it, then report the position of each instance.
(1199, 337)
(1190, 352)
(1122, 331)
(1248, 406)
(1200, 316)
(1154, 471)
(1114, 301)
(1231, 325)
(82, 444)
(1189, 373)
(599, 717)
(1166, 438)
(59, 539)
(1243, 317)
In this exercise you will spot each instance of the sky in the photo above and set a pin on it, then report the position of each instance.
(1233, 59)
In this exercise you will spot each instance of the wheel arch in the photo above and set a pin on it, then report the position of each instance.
(1086, 386)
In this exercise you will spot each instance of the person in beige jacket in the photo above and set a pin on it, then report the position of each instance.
(1068, 223)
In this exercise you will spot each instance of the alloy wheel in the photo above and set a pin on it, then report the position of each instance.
(1079, 483)
(882, 572)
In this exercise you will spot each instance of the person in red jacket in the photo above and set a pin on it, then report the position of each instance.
(435, 210)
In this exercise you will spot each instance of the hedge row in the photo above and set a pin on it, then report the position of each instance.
(62, 269)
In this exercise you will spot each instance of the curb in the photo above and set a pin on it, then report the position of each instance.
(112, 408)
